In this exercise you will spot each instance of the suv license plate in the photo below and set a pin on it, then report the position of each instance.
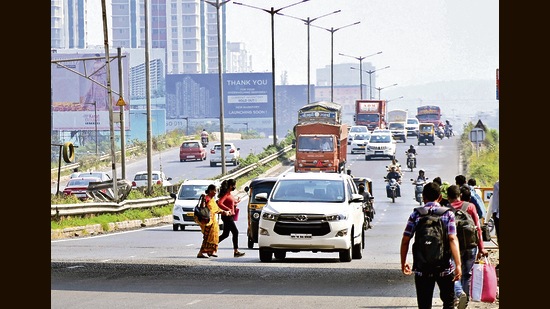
(300, 236)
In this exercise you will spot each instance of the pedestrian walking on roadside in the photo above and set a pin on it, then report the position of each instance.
(228, 203)
(457, 196)
(211, 229)
(444, 276)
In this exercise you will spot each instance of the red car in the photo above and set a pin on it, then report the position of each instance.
(78, 186)
(192, 150)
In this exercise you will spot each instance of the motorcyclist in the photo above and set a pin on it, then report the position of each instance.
(448, 128)
(421, 175)
(413, 151)
(393, 174)
(395, 164)
(204, 136)
(368, 202)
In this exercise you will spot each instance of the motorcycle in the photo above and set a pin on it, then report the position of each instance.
(368, 212)
(448, 131)
(418, 187)
(411, 160)
(204, 141)
(440, 133)
(392, 192)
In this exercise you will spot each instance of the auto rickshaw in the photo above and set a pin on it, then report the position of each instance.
(426, 133)
(257, 185)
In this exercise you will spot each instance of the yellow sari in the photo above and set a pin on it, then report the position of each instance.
(211, 230)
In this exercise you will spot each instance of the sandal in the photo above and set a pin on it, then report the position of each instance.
(202, 256)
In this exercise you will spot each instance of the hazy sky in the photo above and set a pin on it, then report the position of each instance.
(422, 41)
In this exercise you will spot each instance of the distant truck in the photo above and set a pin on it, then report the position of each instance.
(370, 113)
(321, 138)
(429, 114)
(397, 124)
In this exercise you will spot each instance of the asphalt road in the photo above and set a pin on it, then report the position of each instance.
(157, 267)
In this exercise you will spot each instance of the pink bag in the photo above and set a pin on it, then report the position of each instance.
(484, 282)
(236, 215)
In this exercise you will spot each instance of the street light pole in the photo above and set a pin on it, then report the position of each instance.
(332, 30)
(308, 21)
(272, 11)
(360, 69)
(380, 88)
(217, 5)
(370, 77)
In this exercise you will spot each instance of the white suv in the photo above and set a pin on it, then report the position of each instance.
(318, 212)
(380, 145)
(157, 178)
(186, 199)
(354, 130)
(232, 154)
(412, 126)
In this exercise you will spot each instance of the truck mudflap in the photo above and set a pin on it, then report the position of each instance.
(103, 191)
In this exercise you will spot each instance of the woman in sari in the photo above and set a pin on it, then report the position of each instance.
(211, 229)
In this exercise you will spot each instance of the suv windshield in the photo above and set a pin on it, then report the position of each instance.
(191, 192)
(309, 191)
(380, 139)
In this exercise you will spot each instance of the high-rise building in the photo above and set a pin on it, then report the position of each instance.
(68, 24)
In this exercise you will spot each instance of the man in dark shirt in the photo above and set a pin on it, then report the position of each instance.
(393, 174)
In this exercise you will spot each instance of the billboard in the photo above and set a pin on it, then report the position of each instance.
(79, 93)
(246, 95)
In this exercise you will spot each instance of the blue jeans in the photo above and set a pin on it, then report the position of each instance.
(468, 258)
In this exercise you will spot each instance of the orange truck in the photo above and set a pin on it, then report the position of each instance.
(370, 113)
(321, 138)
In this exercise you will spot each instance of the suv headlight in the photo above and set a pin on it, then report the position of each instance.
(270, 216)
(337, 217)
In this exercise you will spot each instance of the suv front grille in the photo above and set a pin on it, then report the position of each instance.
(314, 224)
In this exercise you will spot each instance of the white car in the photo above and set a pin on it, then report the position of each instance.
(157, 178)
(359, 143)
(380, 145)
(356, 130)
(186, 199)
(232, 154)
(317, 212)
(412, 126)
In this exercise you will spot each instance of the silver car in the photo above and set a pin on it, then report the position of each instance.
(232, 154)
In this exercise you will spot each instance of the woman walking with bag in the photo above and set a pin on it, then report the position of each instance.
(211, 229)
(228, 204)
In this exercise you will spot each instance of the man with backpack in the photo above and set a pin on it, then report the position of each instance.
(435, 243)
(475, 198)
(468, 230)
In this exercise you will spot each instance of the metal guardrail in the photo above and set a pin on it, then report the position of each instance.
(67, 167)
(111, 207)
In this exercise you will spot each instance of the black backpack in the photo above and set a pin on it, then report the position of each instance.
(465, 228)
(431, 249)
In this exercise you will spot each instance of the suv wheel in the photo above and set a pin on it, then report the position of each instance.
(265, 255)
(345, 255)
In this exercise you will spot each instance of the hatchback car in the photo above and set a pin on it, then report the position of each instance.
(359, 143)
(78, 186)
(157, 178)
(317, 212)
(232, 154)
(186, 199)
(380, 145)
(192, 150)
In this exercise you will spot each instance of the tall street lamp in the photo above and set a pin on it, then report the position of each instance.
(308, 21)
(370, 77)
(360, 69)
(381, 88)
(394, 99)
(332, 30)
(95, 124)
(272, 11)
(217, 5)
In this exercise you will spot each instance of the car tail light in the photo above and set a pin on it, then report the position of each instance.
(232, 151)
(159, 182)
(212, 151)
(134, 184)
